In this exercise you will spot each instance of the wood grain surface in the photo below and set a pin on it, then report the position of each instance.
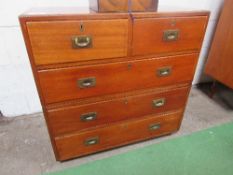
(62, 84)
(52, 41)
(123, 5)
(220, 61)
(67, 120)
(125, 59)
(117, 135)
(148, 34)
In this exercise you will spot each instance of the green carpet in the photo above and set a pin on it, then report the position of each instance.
(208, 152)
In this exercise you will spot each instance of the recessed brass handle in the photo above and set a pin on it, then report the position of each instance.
(164, 71)
(87, 82)
(159, 102)
(88, 117)
(170, 35)
(91, 141)
(79, 42)
(154, 127)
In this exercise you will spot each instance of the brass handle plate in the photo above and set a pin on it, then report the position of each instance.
(159, 102)
(164, 71)
(87, 82)
(88, 117)
(154, 127)
(79, 42)
(170, 35)
(91, 141)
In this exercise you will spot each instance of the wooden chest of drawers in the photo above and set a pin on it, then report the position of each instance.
(106, 80)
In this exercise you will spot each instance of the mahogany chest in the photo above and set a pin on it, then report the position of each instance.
(107, 80)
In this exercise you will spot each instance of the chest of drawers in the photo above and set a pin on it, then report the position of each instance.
(106, 80)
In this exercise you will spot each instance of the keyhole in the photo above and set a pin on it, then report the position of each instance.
(129, 66)
(81, 27)
(173, 23)
(124, 126)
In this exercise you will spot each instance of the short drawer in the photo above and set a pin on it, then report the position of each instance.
(69, 41)
(63, 84)
(86, 116)
(80, 144)
(164, 35)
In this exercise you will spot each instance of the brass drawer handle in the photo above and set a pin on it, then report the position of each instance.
(79, 42)
(87, 82)
(163, 72)
(88, 117)
(91, 141)
(170, 35)
(154, 127)
(159, 102)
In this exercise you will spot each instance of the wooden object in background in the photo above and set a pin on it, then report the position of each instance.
(220, 61)
(123, 5)
(104, 82)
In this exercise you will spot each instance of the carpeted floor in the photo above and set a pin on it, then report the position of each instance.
(208, 152)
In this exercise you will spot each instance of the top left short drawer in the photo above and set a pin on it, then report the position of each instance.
(56, 42)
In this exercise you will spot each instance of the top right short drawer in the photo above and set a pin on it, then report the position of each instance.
(153, 36)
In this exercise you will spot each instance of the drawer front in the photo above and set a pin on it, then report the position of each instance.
(80, 82)
(83, 117)
(69, 41)
(116, 135)
(163, 35)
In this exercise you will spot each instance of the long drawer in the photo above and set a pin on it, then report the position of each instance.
(90, 115)
(69, 41)
(95, 80)
(164, 35)
(80, 144)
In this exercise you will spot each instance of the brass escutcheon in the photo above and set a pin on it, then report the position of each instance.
(159, 102)
(154, 127)
(91, 141)
(87, 82)
(170, 35)
(164, 71)
(81, 42)
(88, 116)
